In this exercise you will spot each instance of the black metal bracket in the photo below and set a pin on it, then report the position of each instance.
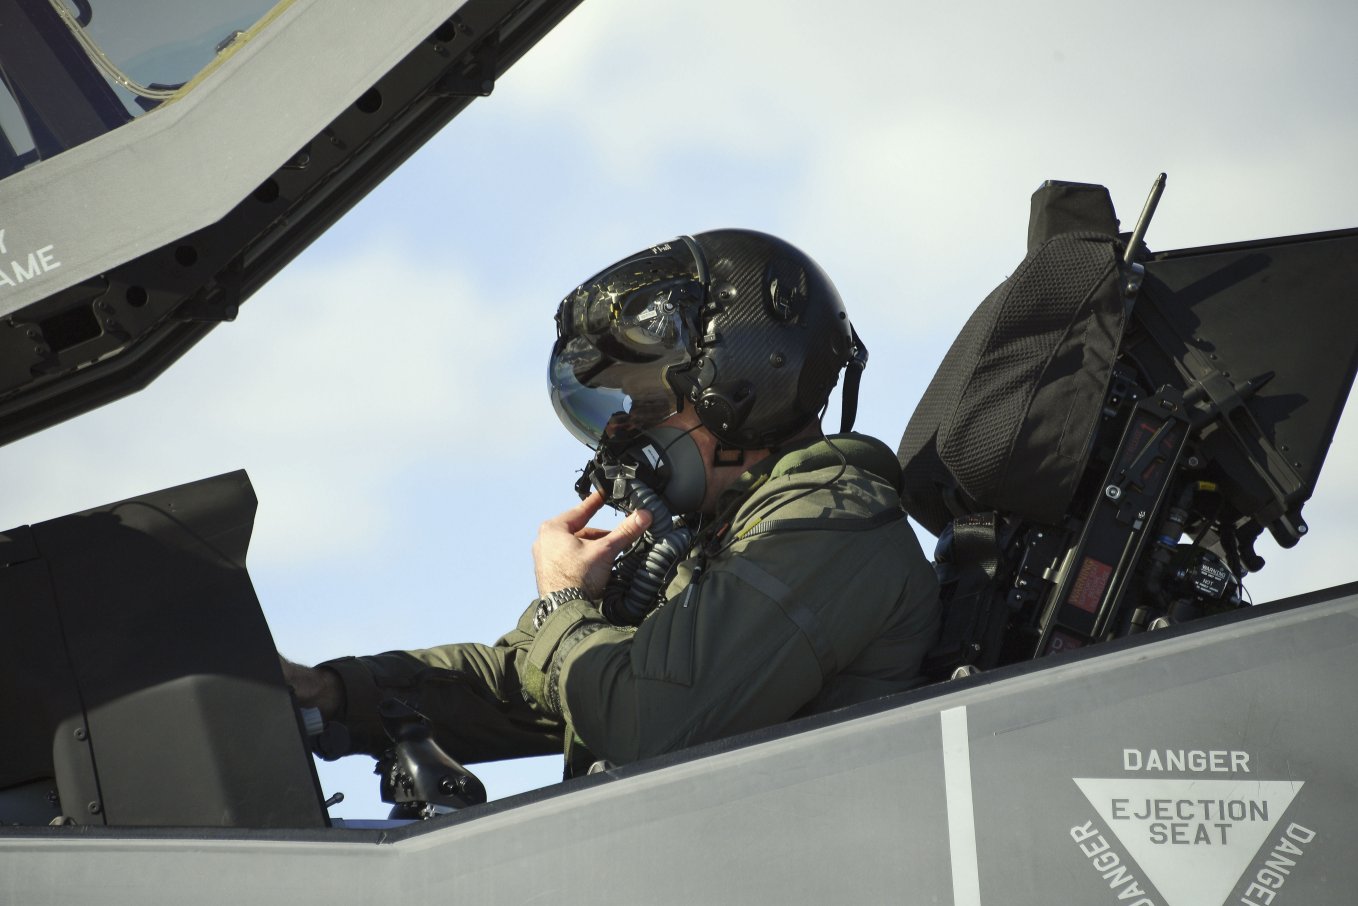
(1216, 400)
(476, 80)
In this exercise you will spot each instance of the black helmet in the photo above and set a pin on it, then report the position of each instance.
(743, 325)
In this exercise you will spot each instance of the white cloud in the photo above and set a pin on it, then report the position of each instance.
(338, 375)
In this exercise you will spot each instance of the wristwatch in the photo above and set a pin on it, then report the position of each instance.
(554, 599)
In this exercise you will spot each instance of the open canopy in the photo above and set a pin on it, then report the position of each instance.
(160, 161)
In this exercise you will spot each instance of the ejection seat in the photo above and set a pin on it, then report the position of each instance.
(1112, 430)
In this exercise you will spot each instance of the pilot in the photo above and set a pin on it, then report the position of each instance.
(764, 570)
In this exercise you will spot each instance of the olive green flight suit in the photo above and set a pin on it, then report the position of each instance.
(815, 595)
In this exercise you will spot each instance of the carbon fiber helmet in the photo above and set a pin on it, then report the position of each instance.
(744, 326)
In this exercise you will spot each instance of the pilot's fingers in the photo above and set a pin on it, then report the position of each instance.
(578, 516)
(626, 532)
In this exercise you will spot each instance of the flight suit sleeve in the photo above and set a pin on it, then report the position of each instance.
(745, 645)
(470, 693)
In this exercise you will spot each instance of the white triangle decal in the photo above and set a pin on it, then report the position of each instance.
(1193, 838)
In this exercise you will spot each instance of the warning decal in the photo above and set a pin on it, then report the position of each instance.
(1193, 837)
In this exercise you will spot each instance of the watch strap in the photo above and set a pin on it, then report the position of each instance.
(549, 602)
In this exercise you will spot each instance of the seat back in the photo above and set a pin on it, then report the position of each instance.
(1008, 421)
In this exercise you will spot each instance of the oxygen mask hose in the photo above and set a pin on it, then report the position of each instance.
(656, 470)
(635, 587)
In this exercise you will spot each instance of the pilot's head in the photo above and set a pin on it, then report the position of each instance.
(741, 326)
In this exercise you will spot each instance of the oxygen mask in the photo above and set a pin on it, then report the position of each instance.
(660, 470)
(664, 459)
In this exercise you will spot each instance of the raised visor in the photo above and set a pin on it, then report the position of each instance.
(1206, 765)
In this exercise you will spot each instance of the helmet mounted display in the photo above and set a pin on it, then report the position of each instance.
(743, 326)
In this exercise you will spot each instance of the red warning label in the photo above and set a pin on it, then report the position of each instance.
(1089, 586)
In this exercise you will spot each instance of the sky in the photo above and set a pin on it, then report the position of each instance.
(386, 392)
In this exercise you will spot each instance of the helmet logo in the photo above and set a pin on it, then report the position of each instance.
(786, 290)
(781, 306)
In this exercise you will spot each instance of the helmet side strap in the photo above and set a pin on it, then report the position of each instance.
(858, 360)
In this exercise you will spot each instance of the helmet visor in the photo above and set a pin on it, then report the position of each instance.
(618, 336)
(597, 398)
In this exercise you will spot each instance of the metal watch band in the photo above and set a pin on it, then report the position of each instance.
(554, 599)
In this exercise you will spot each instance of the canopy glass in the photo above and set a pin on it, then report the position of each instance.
(72, 70)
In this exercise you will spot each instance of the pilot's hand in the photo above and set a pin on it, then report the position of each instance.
(569, 553)
(314, 687)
